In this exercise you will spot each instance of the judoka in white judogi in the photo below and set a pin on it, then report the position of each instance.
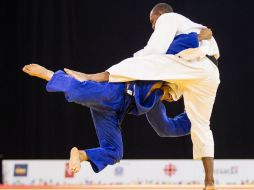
(196, 79)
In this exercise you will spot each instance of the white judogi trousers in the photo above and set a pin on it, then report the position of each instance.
(197, 81)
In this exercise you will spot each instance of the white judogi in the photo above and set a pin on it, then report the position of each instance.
(197, 80)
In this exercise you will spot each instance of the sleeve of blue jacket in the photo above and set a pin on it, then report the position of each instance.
(166, 126)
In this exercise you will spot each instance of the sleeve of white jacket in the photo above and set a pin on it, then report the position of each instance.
(163, 35)
(210, 47)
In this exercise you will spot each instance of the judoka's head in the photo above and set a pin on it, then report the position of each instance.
(158, 10)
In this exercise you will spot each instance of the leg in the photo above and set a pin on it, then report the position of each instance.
(105, 101)
(106, 96)
(38, 71)
(203, 148)
(208, 166)
(165, 126)
(98, 77)
(110, 140)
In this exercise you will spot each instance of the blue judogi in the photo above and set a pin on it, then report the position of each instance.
(182, 42)
(109, 103)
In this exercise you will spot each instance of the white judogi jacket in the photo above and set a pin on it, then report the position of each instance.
(170, 25)
(197, 80)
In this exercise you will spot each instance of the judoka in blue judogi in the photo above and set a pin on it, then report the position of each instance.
(109, 102)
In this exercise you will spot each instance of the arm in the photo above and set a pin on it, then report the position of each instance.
(164, 33)
(193, 53)
(166, 126)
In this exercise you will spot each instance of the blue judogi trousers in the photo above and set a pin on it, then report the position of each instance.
(108, 103)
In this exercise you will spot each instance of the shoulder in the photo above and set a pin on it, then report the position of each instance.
(171, 16)
(168, 18)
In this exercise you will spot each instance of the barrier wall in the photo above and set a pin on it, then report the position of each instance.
(55, 172)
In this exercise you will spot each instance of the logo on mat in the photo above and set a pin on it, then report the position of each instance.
(20, 170)
(118, 171)
(68, 173)
(170, 169)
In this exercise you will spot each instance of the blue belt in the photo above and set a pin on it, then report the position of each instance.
(129, 101)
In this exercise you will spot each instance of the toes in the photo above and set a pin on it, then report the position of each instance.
(70, 72)
(26, 69)
(74, 167)
(77, 170)
(66, 70)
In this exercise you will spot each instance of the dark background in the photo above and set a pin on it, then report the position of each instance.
(90, 36)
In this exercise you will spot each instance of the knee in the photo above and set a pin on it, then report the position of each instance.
(73, 94)
(116, 154)
(161, 133)
(119, 153)
(170, 133)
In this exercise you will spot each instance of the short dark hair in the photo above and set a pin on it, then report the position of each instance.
(162, 8)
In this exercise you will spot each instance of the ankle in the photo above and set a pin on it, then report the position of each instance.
(209, 182)
(49, 75)
(83, 156)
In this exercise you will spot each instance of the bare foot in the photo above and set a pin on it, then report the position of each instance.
(74, 163)
(77, 75)
(209, 188)
(38, 71)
